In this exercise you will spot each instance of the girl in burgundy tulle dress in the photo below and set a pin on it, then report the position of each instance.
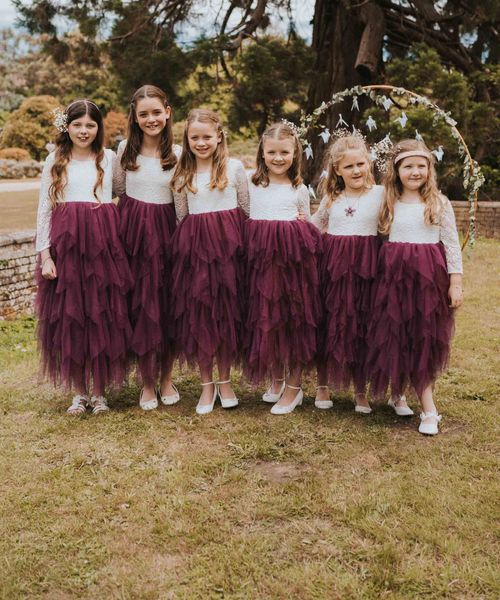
(83, 276)
(348, 214)
(419, 282)
(211, 202)
(143, 172)
(282, 276)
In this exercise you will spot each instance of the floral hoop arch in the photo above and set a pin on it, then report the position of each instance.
(472, 175)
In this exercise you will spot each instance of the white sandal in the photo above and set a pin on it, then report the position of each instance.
(429, 428)
(297, 401)
(171, 398)
(226, 402)
(270, 396)
(323, 404)
(401, 411)
(99, 404)
(148, 404)
(79, 405)
(204, 409)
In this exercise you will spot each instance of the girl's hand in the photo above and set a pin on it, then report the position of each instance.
(301, 216)
(455, 295)
(49, 268)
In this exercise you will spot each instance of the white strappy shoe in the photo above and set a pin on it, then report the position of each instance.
(226, 402)
(99, 404)
(362, 410)
(323, 404)
(204, 409)
(429, 428)
(148, 404)
(401, 411)
(297, 401)
(171, 398)
(270, 396)
(79, 405)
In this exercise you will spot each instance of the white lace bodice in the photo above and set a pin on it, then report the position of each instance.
(81, 177)
(278, 202)
(206, 200)
(350, 216)
(409, 227)
(150, 183)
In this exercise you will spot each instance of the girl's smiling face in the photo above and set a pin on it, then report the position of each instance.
(354, 169)
(151, 116)
(413, 172)
(82, 131)
(278, 156)
(203, 139)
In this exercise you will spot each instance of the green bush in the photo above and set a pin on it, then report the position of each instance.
(15, 154)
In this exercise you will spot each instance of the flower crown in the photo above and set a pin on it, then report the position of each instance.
(60, 121)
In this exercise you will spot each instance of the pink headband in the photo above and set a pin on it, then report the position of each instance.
(408, 153)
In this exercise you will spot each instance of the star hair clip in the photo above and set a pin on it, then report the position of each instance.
(60, 121)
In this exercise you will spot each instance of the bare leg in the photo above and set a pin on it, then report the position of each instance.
(166, 387)
(322, 390)
(226, 390)
(207, 391)
(289, 394)
(278, 378)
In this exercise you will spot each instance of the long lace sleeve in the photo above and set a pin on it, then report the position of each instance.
(321, 216)
(181, 205)
(44, 214)
(241, 184)
(304, 203)
(119, 175)
(449, 236)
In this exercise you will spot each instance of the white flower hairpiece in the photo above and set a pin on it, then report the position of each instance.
(60, 121)
(292, 126)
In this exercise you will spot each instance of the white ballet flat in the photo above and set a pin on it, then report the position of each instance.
(297, 401)
(148, 404)
(204, 409)
(362, 410)
(429, 428)
(270, 396)
(401, 411)
(226, 402)
(323, 404)
(172, 398)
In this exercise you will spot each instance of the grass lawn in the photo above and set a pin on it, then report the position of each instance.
(18, 210)
(245, 505)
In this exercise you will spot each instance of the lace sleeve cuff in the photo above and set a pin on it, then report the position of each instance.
(305, 202)
(449, 236)
(241, 184)
(321, 216)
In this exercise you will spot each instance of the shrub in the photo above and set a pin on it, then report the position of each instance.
(14, 169)
(115, 128)
(15, 154)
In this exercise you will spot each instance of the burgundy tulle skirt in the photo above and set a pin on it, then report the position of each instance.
(146, 230)
(83, 324)
(208, 287)
(347, 270)
(283, 296)
(412, 324)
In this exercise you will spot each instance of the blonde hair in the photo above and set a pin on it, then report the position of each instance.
(186, 165)
(429, 192)
(333, 184)
(278, 131)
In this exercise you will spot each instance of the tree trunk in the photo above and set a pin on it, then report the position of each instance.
(344, 37)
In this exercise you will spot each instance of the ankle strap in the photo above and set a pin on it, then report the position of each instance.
(293, 387)
(208, 383)
(322, 387)
(221, 382)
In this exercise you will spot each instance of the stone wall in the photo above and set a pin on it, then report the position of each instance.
(17, 257)
(17, 273)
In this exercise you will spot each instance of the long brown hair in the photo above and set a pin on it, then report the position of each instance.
(186, 166)
(333, 184)
(64, 145)
(278, 131)
(429, 192)
(135, 135)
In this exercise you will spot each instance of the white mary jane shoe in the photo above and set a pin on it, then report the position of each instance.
(297, 401)
(204, 409)
(172, 398)
(323, 404)
(362, 410)
(270, 396)
(429, 428)
(148, 404)
(226, 402)
(401, 411)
